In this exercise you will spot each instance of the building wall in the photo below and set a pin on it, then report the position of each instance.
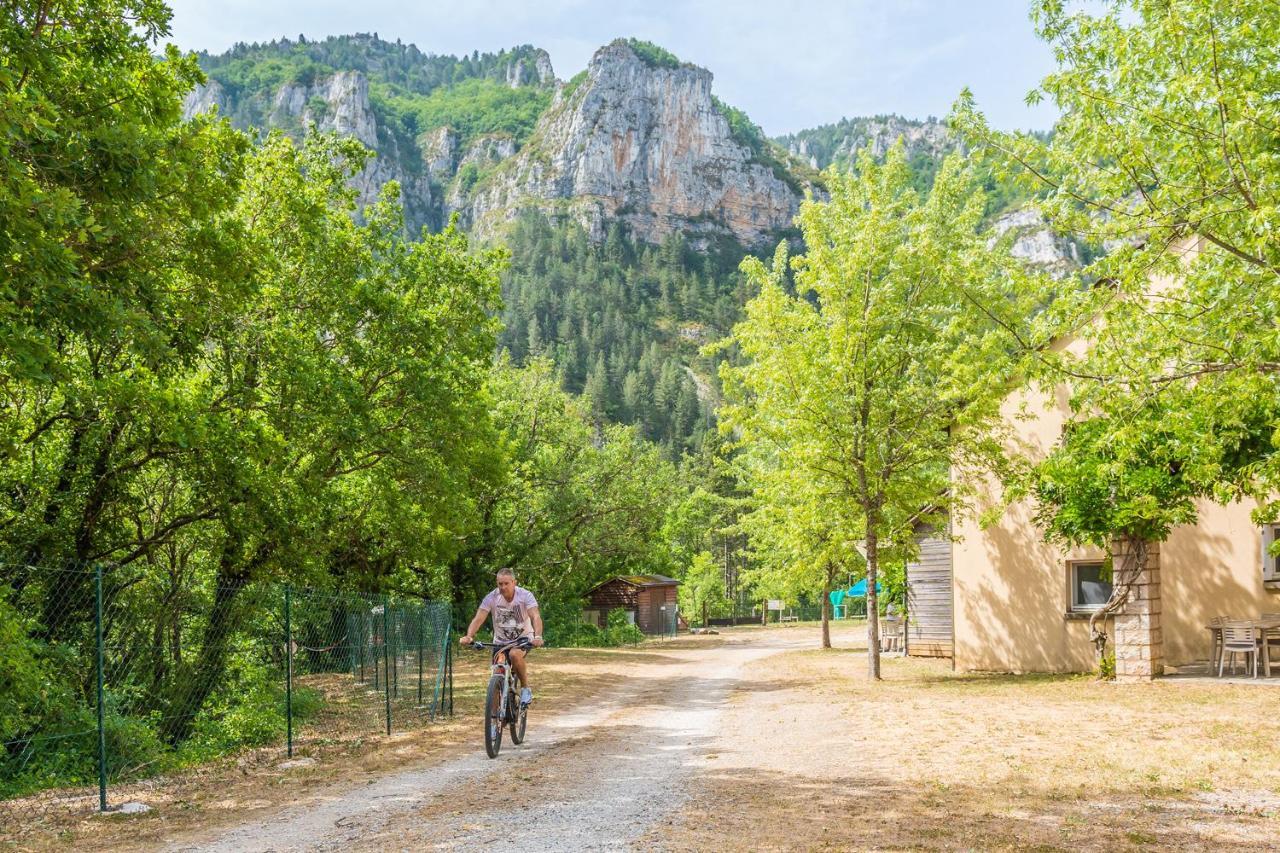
(1212, 568)
(1011, 588)
(650, 599)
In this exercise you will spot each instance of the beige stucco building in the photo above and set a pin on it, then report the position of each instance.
(1020, 604)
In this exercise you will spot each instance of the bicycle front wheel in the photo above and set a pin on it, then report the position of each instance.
(493, 717)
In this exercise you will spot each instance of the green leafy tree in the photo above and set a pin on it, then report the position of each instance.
(1165, 156)
(888, 362)
(574, 502)
(702, 592)
(802, 547)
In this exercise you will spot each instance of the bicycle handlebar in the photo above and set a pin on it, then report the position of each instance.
(480, 644)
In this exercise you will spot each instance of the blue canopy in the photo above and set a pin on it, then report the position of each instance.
(860, 588)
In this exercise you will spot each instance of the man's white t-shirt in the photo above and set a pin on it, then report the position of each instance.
(510, 618)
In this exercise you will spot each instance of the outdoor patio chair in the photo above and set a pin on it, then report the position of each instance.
(891, 636)
(1215, 629)
(1238, 638)
(1271, 637)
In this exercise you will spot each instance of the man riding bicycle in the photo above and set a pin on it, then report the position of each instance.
(515, 617)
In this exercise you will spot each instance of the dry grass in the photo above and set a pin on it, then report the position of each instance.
(254, 783)
(933, 759)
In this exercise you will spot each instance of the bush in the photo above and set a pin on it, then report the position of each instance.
(621, 632)
(563, 627)
(248, 711)
(1107, 667)
(653, 55)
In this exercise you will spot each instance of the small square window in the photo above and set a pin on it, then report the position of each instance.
(1270, 561)
(1090, 586)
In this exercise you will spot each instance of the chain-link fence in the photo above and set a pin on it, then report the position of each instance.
(668, 622)
(851, 608)
(111, 676)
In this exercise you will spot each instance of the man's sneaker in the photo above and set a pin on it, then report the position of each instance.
(526, 695)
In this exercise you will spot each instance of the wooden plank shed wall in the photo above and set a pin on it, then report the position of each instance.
(930, 615)
(650, 602)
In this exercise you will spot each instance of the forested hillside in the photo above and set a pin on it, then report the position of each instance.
(623, 321)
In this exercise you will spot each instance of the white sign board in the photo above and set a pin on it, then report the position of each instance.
(775, 604)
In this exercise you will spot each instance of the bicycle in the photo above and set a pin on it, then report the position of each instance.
(502, 704)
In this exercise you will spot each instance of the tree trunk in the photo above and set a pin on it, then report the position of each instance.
(826, 608)
(189, 695)
(704, 612)
(764, 613)
(873, 616)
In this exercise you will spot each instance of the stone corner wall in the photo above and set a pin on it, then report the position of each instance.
(1139, 639)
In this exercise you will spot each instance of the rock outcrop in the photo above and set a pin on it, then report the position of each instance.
(204, 98)
(440, 152)
(1034, 242)
(339, 104)
(643, 144)
(537, 71)
(841, 142)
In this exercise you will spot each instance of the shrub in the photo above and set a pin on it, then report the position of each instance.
(248, 711)
(574, 82)
(621, 632)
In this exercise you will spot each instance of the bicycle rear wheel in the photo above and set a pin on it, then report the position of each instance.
(519, 712)
(493, 717)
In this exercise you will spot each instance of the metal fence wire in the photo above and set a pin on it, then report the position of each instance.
(113, 676)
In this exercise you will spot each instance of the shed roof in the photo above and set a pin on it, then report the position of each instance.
(641, 581)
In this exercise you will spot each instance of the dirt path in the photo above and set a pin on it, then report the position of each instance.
(598, 778)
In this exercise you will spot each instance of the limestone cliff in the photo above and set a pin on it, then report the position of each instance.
(338, 104)
(644, 144)
(1032, 240)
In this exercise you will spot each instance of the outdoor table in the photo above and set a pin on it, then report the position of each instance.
(1260, 628)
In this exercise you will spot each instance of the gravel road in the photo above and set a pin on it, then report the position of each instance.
(595, 779)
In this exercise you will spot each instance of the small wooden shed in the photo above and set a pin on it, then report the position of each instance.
(649, 599)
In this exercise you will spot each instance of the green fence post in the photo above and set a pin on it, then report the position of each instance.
(448, 657)
(395, 653)
(386, 657)
(288, 677)
(102, 728)
(438, 694)
(422, 633)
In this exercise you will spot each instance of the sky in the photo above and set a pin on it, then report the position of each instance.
(790, 64)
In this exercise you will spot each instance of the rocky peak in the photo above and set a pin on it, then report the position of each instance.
(533, 71)
(642, 142)
(342, 106)
(841, 142)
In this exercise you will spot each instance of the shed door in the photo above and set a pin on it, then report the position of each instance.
(930, 628)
